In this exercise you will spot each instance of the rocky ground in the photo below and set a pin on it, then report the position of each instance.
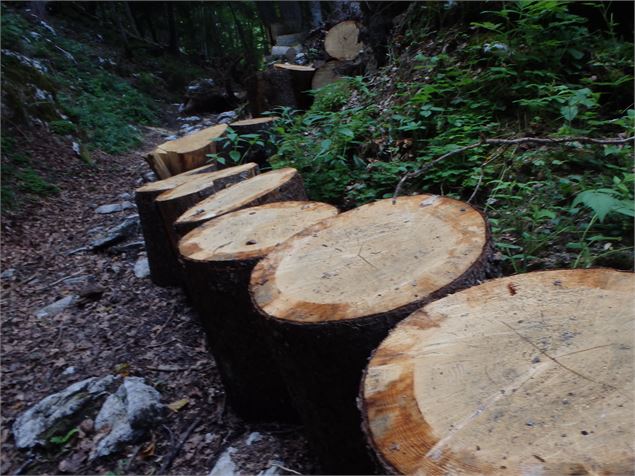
(109, 319)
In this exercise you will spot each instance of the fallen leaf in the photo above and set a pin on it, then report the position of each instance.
(178, 404)
(148, 450)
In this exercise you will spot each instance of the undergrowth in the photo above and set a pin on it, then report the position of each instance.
(524, 69)
(19, 177)
(103, 107)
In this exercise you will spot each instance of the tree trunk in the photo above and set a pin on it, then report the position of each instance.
(331, 293)
(326, 74)
(159, 248)
(173, 39)
(442, 394)
(275, 186)
(218, 258)
(285, 85)
(186, 153)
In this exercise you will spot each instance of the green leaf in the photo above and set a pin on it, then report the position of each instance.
(220, 160)
(576, 54)
(61, 440)
(347, 133)
(600, 202)
(234, 155)
(569, 112)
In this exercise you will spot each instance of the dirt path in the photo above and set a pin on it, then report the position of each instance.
(131, 328)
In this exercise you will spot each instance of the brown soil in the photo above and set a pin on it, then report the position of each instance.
(134, 328)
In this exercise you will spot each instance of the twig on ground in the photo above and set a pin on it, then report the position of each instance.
(507, 142)
(24, 465)
(288, 470)
(167, 321)
(167, 462)
(492, 157)
(65, 278)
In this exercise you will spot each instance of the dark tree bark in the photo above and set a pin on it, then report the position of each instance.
(173, 44)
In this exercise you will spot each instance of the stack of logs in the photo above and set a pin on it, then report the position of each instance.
(525, 374)
(288, 85)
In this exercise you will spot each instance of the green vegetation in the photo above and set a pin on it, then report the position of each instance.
(19, 177)
(525, 69)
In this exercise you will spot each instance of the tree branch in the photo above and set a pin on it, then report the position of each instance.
(506, 142)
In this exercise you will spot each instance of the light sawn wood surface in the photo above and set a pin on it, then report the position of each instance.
(529, 374)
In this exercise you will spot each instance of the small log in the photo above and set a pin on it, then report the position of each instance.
(342, 41)
(331, 293)
(275, 186)
(326, 74)
(287, 85)
(152, 224)
(525, 374)
(185, 153)
(159, 247)
(218, 258)
(260, 126)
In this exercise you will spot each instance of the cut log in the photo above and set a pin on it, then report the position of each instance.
(331, 293)
(325, 74)
(528, 374)
(152, 223)
(342, 41)
(287, 85)
(177, 201)
(260, 126)
(185, 153)
(275, 186)
(253, 126)
(218, 258)
(159, 248)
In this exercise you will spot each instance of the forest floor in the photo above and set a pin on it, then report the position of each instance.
(128, 326)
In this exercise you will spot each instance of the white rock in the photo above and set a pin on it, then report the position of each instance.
(76, 148)
(253, 437)
(142, 268)
(126, 415)
(225, 466)
(226, 117)
(110, 208)
(69, 371)
(273, 469)
(30, 426)
(48, 27)
(41, 95)
(56, 307)
(8, 274)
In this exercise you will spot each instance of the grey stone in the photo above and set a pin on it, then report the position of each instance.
(253, 437)
(225, 466)
(124, 196)
(56, 307)
(126, 415)
(8, 274)
(226, 117)
(69, 371)
(128, 247)
(110, 208)
(30, 426)
(142, 268)
(128, 227)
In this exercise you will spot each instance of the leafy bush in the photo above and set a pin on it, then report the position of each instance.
(62, 127)
(528, 68)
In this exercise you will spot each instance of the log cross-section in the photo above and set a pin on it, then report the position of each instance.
(528, 374)
(331, 293)
(275, 186)
(218, 258)
(157, 234)
(185, 153)
(342, 41)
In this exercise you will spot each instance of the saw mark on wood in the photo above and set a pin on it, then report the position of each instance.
(557, 362)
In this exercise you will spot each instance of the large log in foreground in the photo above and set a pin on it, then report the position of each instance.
(218, 258)
(331, 293)
(159, 246)
(528, 374)
(152, 224)
(185, 153)
(275, 186)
